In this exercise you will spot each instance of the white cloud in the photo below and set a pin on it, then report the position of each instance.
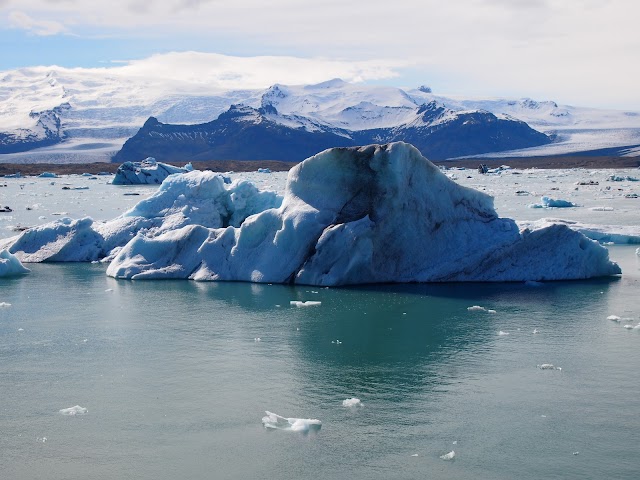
(214, 71)
(580, 51)
(34, 26)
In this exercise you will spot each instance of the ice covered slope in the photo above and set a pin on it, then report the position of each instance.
(368, 215)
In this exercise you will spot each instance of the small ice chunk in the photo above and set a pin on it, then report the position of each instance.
(414, 455)
(501, 333)
(77, 410)
(352, 402)
(576, 453)
(535, 331)
(614, 318)
(303, 425)
(21, 329)
(257, 339)
(308, 303)
(491, 311)
(109, 290)
(476, 308)
(548, 366)
(5, 304)
(448, 456)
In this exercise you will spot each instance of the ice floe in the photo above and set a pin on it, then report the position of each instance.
(4, 304)
(308, 303)
(352, 402)
(614, 318)
(448, 456)
(476, 308)
(10, 265)
(77, 410)
(548, 202)
(302, 425)
(548, 366)
(502, 334)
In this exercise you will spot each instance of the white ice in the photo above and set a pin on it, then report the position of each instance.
(448, 456)
(77, 410)
(302, 425)
(146, 172)
(308, 303)
(476, 308)
(548, 366)
(349, 216)
(10, 265)
(352, 402)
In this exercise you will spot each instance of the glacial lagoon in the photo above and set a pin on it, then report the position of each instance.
(176, 376)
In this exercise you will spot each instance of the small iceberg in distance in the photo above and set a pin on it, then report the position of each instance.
(77, 410)
(146, 172)
(302, 425)
(352, 403)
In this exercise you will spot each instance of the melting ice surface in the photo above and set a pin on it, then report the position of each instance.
(302, 425)
(374, 214)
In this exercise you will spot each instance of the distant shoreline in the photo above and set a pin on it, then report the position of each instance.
(551, 162)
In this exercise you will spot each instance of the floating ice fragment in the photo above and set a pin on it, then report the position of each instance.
(5, 304)
(638, 251)
(576, 453)
(352, 402)
(303, 425)
(535, 330)
(414, 455)
(448, 456)
(308, 303)
(548, 366)
(501, 333)
(257, 339)
(476, 308)
(455, 442)
(21, 329)
(491, 311)
(614, 318)
(77, 410)
(628, 327)
(109, 290)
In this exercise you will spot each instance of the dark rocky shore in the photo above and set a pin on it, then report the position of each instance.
(279, 166)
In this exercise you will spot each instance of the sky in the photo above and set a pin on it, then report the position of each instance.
(576, 52)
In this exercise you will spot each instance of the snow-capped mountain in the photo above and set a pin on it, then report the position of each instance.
(68, 115)
(246, 133)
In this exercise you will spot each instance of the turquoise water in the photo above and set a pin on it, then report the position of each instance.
(176, 383)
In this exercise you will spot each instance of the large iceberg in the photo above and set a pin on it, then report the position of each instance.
(381, 213)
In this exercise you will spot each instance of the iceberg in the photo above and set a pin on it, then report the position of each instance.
(10, 265)
(146, 172)
(373, 214)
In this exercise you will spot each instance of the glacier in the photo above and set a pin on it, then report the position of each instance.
(373, 214)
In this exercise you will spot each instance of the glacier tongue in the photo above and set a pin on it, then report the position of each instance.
(380, 213)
